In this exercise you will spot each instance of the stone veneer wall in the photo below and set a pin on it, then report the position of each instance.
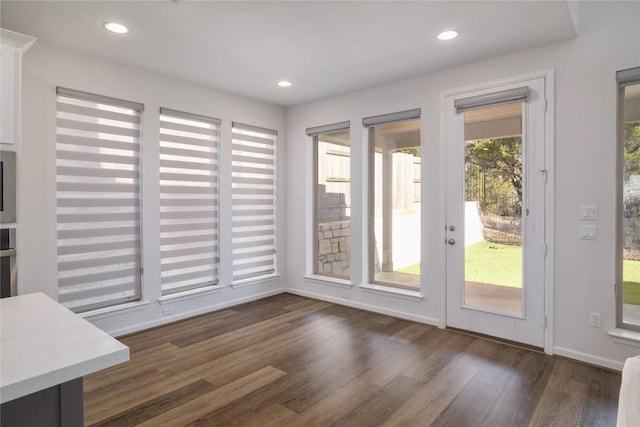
(334, 252)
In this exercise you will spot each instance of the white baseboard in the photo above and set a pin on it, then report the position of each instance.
(375, 309)
(589, 358)
(191, 313)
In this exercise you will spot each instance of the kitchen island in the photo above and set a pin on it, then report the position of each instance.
(45, 350)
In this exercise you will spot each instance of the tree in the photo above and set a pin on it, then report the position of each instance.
(631, 149)
(496, 165)
(503, 156)
(414, 151)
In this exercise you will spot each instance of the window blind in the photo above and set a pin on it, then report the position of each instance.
(98, 200)
(188, 201)
(399, 116)
(490, 99)
(333, 127)
(253, 201)
(628, 77)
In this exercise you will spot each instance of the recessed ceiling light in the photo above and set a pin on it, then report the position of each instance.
(284, 83)
(115, 27)
(448, 35)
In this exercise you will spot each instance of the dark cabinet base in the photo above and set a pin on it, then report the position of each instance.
(58, 406)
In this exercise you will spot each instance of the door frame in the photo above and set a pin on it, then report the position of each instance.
(549, 144)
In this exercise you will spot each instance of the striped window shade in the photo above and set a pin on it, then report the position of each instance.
(253, 201)
(98, 200)
(188, 201)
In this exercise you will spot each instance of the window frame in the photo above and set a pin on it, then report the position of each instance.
(370, 124)
(236, 143)
(315, 252)
(214, 132)
(371, 161)
(137, 147)
(625, 78)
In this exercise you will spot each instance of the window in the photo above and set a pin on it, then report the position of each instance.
(332, 200)
(188, 201)
(394, 198)
(628, 257)
(98, 200)
(253, 178)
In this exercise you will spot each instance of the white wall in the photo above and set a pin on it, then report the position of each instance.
(585, 135)
(46, 67)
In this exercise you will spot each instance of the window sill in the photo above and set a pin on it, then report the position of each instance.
(112, 311)
(395, 292)
(191, 293)
(254, 280)
(331, 281)
(625, 336)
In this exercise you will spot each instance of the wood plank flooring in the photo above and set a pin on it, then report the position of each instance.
(294, 361)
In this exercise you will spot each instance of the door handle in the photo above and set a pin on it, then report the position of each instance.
(451, 241)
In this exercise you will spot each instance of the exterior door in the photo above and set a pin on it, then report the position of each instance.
(495, 211)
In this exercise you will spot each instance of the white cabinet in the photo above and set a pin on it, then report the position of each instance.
(12, 47)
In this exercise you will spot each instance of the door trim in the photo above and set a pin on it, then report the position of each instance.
(549, 134)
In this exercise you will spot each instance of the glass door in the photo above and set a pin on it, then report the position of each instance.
(496, 211)
(493, 187)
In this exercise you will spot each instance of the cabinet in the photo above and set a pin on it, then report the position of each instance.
(12, 46)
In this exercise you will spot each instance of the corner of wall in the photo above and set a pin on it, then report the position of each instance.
(574, 6)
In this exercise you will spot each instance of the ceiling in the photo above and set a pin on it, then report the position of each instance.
(323, 47)
(496, 112)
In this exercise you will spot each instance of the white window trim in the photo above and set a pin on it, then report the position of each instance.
(314, 243)
(392, 291)
(369, 126)
(625, 78)
(625, 336)
(310, 200)
(116, 310)
(189, 294)
(250, 281)
(328, 280)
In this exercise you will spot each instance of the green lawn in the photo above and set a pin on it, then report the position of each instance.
(494, 263)
(487, 262)
(498, 264)
(631, 282)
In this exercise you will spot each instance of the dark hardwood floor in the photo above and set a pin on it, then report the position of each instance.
(293, 361)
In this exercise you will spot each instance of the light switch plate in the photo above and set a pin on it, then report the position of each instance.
(589, 213)
(588, 232)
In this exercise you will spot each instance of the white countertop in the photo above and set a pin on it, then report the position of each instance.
(43, 344)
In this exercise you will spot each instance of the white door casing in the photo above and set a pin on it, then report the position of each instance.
(529, 328)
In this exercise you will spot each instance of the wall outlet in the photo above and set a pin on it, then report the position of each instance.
(167, 311)
(346, 293)
(595, 320)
